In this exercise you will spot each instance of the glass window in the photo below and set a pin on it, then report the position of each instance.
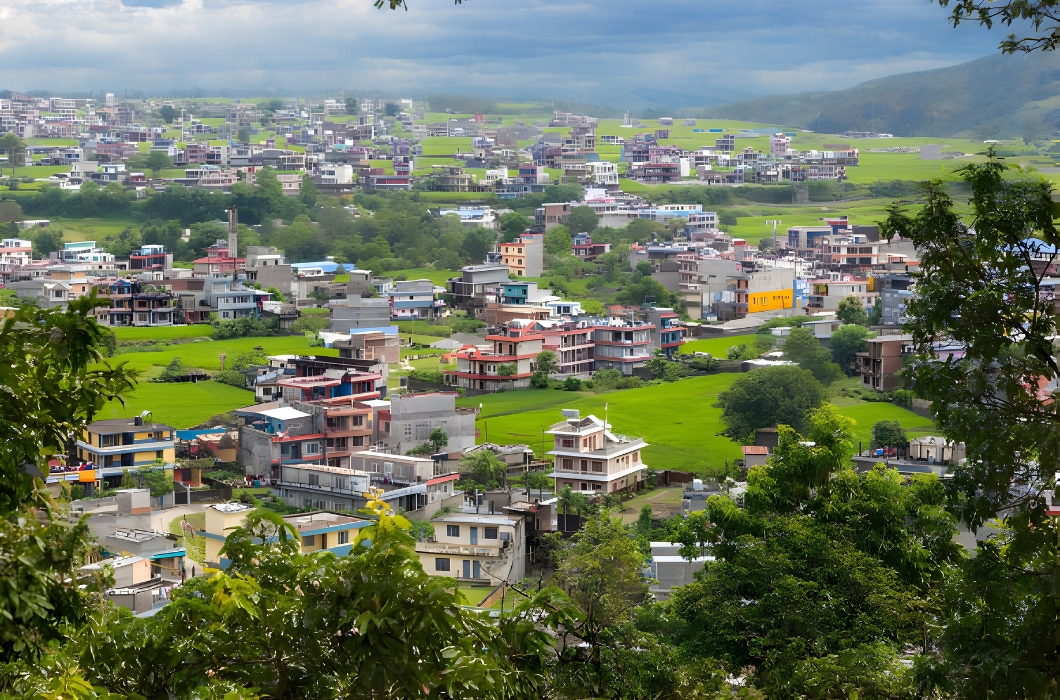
(452, 530)
(441, 564)
(490, 534)
(344, 537)
(309, 540)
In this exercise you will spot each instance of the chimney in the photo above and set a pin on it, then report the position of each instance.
(233, 238)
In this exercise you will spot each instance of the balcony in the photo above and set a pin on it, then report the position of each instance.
(461, 549)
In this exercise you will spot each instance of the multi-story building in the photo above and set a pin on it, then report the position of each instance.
(525, 256)
(408, 421)
(473, 547)
(884, 358)
(15, 253)
(584, 249)
(572, 341)
(132, 306)
(895, 292)
(826, 294)
(589, 457)
(514, 351)
(478, 284)
(360, 313)
(552, 214)
(229, 299)
(666, 336)
(126, 442)
(152, 258)
(622, 344)
(414, 299)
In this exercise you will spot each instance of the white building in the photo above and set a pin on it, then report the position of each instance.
(589, 457)
(473, 547)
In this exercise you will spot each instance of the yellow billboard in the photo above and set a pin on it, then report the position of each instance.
(770, 301)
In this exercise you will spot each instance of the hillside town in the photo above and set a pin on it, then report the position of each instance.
(638, 389)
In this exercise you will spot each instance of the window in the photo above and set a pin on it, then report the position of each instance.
(408, 431)
(158, 454)
(584, 487)
(598, 466)
(340, 482)
(568, 464)
(312, 448)
(358, 421)
(314, 480)
(452, 531)
(344, 536)
(441, 564)
(490, 533)
(309, 540)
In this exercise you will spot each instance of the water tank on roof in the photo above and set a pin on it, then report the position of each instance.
(697, 484)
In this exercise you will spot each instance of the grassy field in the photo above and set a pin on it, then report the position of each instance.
(197, 330)
(677, 420)
(438, 277)
(717, 346)
(90, 229)
(179, 405)
(205, 354)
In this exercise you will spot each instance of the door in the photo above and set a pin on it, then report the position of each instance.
(476, 572)
(474, 537)
(467, 568)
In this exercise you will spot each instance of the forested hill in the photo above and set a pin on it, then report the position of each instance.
(1002, 96)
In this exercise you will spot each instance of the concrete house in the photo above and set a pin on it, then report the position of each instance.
(412, 416)
(516, 343)
(590, 458)
(472, 547)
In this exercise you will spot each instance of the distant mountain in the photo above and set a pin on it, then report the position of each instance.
(993, 96)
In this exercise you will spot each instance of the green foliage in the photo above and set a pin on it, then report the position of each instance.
(512, 226)
(803, 348)
(168, 113)
(888, 433)
(582, 220)
(246, 327)
(14, 147)
(847, 341)
(465, 324)
(666, 370)
(47, 240)
(558, 241)
(850, 310)
(547, 362)
(243, 135)
(484, 467)
(572, 384)
(507, 369)
(157, 478)
(767, 397)
(311, 323)
(176, 371)
(277, 295)
(820, 584)
(611, 379)
(539, 380)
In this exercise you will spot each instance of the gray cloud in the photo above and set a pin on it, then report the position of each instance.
(705, 52)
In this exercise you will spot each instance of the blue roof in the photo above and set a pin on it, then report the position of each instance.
(325, 265)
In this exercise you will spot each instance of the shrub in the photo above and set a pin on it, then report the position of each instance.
(539, 380)
(246, 327)
(572, 384)
(903, 397)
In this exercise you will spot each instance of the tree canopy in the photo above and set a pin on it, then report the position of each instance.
(803, 348)
(766, 397)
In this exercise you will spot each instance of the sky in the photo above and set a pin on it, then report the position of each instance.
(606, 52)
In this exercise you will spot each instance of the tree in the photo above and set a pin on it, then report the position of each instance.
(803, 348)
(876, 315)
(156, 477)
(168, 113)
(599, 569)
(582, 220)
(277, 295)
(243, 135)
(850, 310)
(158, 161)
(547, 362)
(1007, 12)
(847, 341)
(888, 433)
(767, 397)
(977, 291)
(437, 440)
(512, 225)
(15, 148)
(485, 467)
(558, 241)
(308, 193)
(572, 383)
(47, 240)
(821, 584)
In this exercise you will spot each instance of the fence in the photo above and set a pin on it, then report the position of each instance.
(214, 495)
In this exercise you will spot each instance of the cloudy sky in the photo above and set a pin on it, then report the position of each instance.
(695, 52)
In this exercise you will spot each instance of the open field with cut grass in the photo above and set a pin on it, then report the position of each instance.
(437, 277)
(717, 346)
(90, 229)
(205, 354)
(179, 405)
(163, 333)
(678, 420)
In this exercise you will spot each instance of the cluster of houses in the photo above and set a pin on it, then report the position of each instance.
(341, 145)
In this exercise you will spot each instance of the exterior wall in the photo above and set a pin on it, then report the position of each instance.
(414, 416)
(256, 451)
(770, 301)
(498, 558)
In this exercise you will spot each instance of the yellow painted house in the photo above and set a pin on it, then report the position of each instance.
(126, 442)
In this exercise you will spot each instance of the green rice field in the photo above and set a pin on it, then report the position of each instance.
(179, 405)
(678, 420)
